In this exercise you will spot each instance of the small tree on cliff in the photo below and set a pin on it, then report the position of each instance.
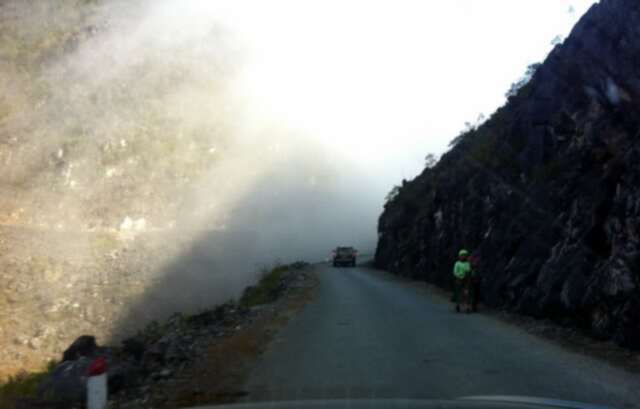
(430, 161)
(516, 86)
(392, 194)
(468, 128)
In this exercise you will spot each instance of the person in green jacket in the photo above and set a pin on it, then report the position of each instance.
(462, 274)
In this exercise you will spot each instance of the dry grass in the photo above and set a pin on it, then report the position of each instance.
(267, 289)
(21, 386)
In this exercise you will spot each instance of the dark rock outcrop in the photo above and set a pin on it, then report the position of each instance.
(546, 193)
(67, 381)
(84, 345)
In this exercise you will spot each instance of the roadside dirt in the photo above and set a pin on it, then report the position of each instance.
(572, 339)
(220, 375)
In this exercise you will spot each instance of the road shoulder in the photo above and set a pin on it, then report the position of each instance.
(569, 338)
(221, 373)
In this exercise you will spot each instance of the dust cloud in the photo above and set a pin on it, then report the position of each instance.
(135, 164)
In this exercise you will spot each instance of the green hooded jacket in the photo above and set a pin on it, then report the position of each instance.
(461, 269)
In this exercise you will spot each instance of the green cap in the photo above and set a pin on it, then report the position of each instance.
(463, 252)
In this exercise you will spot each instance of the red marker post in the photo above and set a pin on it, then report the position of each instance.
(97, 384)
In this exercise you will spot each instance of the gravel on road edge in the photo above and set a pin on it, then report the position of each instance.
(218, 377)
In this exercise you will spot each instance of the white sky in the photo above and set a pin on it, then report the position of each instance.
(391, 80)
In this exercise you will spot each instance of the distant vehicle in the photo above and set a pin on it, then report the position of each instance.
(344, 256)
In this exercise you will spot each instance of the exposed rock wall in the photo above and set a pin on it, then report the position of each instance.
(546, 193)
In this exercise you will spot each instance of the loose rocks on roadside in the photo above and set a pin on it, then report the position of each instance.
(144, 368)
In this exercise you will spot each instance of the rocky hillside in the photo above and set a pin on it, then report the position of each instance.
(95, 149)
(99, 131)
(546, 192)
(120, 143)
(137, 176)
(185, 360)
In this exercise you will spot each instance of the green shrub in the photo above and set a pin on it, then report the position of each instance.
(266, 290)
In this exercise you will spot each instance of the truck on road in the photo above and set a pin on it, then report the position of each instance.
(344, 256)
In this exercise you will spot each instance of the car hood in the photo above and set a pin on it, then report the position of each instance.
(473, 402)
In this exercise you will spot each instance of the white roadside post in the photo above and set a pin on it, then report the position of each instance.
(97, 384)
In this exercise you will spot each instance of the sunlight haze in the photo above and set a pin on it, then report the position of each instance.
(392, 81)
(386, 82)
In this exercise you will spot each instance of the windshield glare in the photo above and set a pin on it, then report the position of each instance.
(403, 202)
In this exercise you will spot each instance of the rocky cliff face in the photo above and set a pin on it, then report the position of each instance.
(546, 193)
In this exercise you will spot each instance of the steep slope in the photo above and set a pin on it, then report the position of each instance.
(546, 192)
(95, 152)
(139, 176)
(94, 117)
(132, 166)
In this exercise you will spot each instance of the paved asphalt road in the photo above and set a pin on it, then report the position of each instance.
(369, 335)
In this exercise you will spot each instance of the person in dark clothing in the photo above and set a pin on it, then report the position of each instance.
(475, 282)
